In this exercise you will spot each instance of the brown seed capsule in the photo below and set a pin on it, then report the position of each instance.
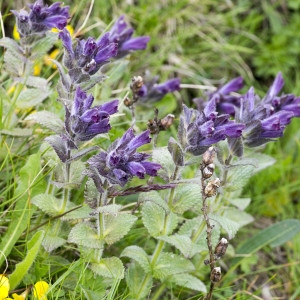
(212, 187)
(136, 83)
(208, 156)
(215, 274)
(208, 171)
(166, 122)
(221, 248)
(127, 102)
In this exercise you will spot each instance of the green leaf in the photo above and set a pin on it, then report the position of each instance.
(116, 226)
(238, 216)
(52, 242)
(170, 264)
(188, 281)
(83, 234)
(135, 277)
(190, 226)
(186, 197)
(44, 44)
(176, 152)
(111, 267)
(21, 132)
(111, 209)
(83, 212)
(47, 203)
(34, 81)
(14, 62)
(154, 197)
(22, 268)
(275, 235)
(231, 227)
(164, 158)
(238, 176)
(31, 97)
(139, 255)
(29, 185)
(240, 203)
(47, 119)
(184, 244)
(154, 218)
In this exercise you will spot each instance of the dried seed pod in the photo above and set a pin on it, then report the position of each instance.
(212, 187)
(221, 248)
(209, 156)
(166, 122)
(136, 84)
(215, 274)
(208, 171)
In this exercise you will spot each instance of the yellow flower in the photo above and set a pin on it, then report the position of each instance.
(16, 34)
(68, 27)
(4, 287)
(37, 69)
(40, 289)
(52, 55)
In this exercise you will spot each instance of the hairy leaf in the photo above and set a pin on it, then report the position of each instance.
(154, 197)
(83, 234)
(157, 221)
(31, 97)
(47, 119)
(188, 281)
(238, 216)
(170, 264)
(176, 152)
(21, 132)
(52, 242)
(116, 226)
(231, 227)
(44, 44)
(164, 158)
(139, 255)
(111, 267)
(34, 81)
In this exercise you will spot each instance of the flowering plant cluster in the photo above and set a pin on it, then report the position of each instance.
(93, 191)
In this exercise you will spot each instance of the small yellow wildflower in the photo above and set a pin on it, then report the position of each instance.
(68, 27)
(40, 289)
(52, 55)
(4, 287)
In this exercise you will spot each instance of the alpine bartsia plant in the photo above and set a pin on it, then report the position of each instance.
(121, 162)
(41, 18)
(121, 34)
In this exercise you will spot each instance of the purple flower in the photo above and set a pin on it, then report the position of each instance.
(226, 102)
(88, 55)
(153, 92)
(42, 17)
(87, 121)
(121, 34)
(206, 128)
(121, 162)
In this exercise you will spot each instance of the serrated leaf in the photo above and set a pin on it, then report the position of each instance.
(190, 226)
(47, 119)
(238, 176)
(64, 78)
(170, 264)
(31, 97)
(238, 216)
(154, 218)
(111, 267)
(240, 203)
(186, 197)
(14, 62)
(116, 226)
(59, 145)
(164, 158)
(231, 227)
(135, 277)
(83, 212)
(34, 81)
(81, 153)
(111, 209)
(188, 281)
(176, 152)
(93, 80)
(76, 172)
(154, 197)
(44, 44)
(48, 204)
(33, 247)
(184, 244)
(21, 132)
(83, 234)
(52, 242)
(10, 44)
(139, 255)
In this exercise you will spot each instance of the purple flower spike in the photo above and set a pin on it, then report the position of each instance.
(87, 121)
(153, 92)
(65, 36)
(121, 34)
(275, 88)
(121, 162)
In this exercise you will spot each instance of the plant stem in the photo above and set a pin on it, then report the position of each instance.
(66, 193)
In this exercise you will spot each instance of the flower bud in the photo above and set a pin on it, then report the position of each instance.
(127, 102)
(212, 187)
(208, 156)
(166, 122)
(221, 248)
(208, 171)
(215, 274)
